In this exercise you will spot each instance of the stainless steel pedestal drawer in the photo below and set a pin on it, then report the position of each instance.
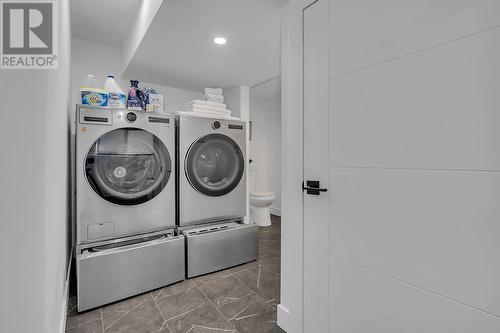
(214, 247)
(114, 270)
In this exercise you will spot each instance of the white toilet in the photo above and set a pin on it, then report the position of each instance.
(259, 207)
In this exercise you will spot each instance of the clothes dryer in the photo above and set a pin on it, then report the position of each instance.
(211, 194)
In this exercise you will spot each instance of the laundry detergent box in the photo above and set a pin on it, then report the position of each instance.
(117, 100)
(155, 103)
(94, 97)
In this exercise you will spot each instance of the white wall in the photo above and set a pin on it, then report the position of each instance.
(34, 200)
(265, 147)
(101, 60)
(274, 156)
(238, 101)
(258, 145)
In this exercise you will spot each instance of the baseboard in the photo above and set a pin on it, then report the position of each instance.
(62, 325)
(275, 211)
(283, 318)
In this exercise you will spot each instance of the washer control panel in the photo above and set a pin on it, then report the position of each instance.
(131, 117)
(216, 124)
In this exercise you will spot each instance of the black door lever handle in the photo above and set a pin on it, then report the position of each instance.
(313, 187)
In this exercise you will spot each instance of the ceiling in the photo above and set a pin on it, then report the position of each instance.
(103, 21)
(178, 50)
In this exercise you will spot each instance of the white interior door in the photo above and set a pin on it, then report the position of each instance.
(316, 150)
(406, 240)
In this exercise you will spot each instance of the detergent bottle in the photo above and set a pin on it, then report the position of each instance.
(92, 93)
(136, 98)
(116, 96)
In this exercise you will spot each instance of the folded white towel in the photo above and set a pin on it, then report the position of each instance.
(197, 109)
(213, 91)
(200, 102)
(213, 98)
(214, 113)
(206, 105)
(202, 109)
(205, 115)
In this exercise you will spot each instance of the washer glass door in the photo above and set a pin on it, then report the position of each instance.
(128, 166)
(214, 165)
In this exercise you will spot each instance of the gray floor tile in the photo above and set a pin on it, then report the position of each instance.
(238, 268)
(269, 235)
(75, 318)
(273, 230)
(163, 329)
(205, 319)
(246, 296)
(180, 303)
(275, 225)
(223, 290)
(274, 245)
(211, 276)
(91, 327)
(272, 264)
(267, 252)
(155, 293)
(173, 288)
(144, 318)
(115, 311)
(263, 282)
(259, 323)
(249, 305)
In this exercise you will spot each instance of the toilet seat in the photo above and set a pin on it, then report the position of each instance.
(261, 194)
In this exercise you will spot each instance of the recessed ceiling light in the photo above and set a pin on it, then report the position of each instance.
(220, 40)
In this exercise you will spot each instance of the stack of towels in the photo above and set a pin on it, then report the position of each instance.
(208, 107)
(213, 95)
(212, 104)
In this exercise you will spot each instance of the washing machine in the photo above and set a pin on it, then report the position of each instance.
(211, 194)
(125, 204)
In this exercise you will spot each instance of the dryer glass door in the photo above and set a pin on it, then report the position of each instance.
(214, 165)
(128, 166)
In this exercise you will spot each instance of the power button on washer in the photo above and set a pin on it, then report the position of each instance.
(131, 117)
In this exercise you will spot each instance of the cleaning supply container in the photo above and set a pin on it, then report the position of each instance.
(136, 98)
(116, 96)
(92, 93)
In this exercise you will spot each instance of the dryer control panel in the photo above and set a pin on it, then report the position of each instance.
(104, 116)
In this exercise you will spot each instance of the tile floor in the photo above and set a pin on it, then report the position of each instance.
(240, 299)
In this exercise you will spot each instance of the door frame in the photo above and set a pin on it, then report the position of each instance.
(290, 309)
